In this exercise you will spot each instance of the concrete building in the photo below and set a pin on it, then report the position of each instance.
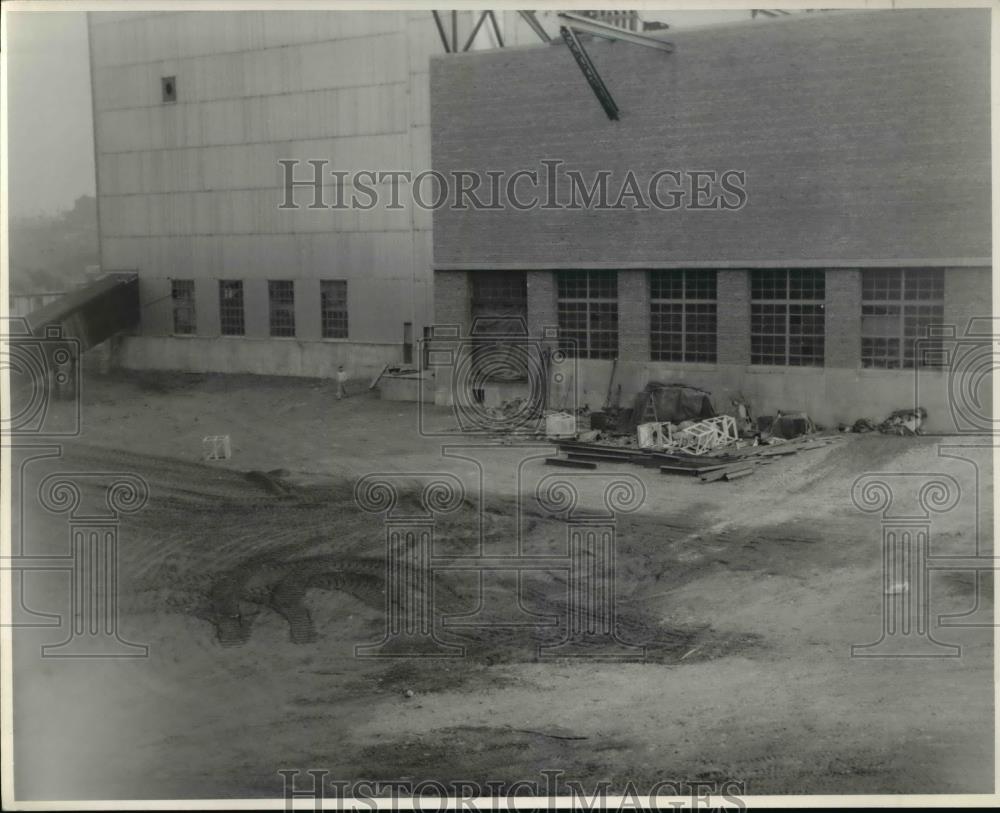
(192, 113)
(863, 143)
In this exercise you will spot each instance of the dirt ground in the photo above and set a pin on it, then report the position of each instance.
(748, 596)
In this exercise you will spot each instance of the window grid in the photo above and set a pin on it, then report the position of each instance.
(683, 316)
(231, 321)
(898, 308)
(281, 301)
(182, 295)
(499, 303)
(787, 317)
(588, 313)
(501, 288)
(333, 304)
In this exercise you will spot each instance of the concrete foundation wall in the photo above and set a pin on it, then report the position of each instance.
(406, 388)
(257, 356)
(829, 396)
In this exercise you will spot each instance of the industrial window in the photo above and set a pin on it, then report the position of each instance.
(683, 324)
(897, 308)
(787, 317)
(499, 302)
(281, 299)
(231, 307)
(168, 84)
(182, 295)
(499, 310)
(588, 313)
(333, 305)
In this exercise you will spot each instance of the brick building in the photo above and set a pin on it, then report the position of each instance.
(864, 143)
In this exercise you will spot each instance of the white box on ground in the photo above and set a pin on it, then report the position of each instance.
(560, 425)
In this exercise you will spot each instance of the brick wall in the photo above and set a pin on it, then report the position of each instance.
(542, 302)
(733, 291)
(808, 137)
(633, 315)
(843, 318)
(967, 294)
(453, 299)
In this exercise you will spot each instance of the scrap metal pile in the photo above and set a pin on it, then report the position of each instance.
(730, 462)
(717, 447)
(905, 422)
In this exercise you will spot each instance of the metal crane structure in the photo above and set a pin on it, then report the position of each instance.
(571, 26)
(575, 24)
(450, 42)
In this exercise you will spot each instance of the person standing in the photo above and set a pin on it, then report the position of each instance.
(341, 382)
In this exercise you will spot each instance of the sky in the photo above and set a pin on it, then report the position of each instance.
(51, 147)
(51, 152)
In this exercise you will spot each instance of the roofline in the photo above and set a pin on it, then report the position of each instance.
(730, 25)
(909, 262)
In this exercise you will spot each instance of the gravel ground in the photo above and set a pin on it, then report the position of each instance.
(747, 594)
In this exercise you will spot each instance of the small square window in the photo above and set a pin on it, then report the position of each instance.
(168, 85)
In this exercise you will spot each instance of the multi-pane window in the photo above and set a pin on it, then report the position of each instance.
(787, 317)
(182, 297)
(281, 302)
(499, 302)
(683, 324)
(499, 311)
(588, 313)
(231, 307)
(897, 307)
(333, 306)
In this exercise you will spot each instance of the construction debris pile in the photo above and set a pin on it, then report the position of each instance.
(711, 447)
(726, 463)
(906, 422)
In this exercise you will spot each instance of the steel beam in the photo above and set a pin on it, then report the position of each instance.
(440, 27)
(475, 30)
(532, 21)
(590, 72)
(612, 32)
(496, 28)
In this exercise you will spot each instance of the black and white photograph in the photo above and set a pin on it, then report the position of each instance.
(486, 408)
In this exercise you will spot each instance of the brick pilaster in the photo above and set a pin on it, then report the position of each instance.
(843, 318)
(633, 315)
(733, 293)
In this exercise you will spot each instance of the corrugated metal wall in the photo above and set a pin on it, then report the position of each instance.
(191, 189)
